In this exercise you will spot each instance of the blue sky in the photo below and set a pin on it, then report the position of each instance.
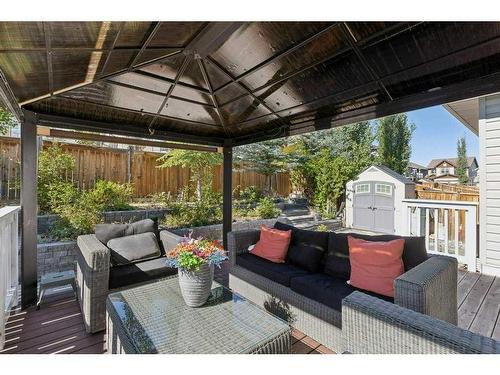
(436, 135)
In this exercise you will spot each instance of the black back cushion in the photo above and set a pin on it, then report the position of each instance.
(307, 248)
(337, 260)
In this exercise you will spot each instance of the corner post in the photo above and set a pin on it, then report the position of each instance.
(29, 169)
(227, 192)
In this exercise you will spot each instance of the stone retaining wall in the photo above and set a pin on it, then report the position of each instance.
(215, 231)
(45, 222)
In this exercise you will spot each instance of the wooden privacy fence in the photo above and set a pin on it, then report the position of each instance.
(122, 165)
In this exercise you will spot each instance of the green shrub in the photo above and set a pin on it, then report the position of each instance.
(53, 166)
(80, 211)
(251, 194)
(266, 209)
(322, 228)
(199, 213)
(111, 196)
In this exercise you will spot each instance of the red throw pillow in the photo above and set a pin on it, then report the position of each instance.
(375, 265)
(273, 244)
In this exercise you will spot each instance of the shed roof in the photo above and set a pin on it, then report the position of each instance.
(389, 172)
(240, 81)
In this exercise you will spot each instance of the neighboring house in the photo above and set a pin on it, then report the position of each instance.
(445, 170)
(416, 172)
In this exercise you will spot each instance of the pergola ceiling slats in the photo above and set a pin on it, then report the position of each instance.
(210, 82)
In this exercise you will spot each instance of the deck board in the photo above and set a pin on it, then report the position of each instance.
(58, 326)
(471, 305)
(487, 315)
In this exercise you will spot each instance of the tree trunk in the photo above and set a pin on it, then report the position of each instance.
(199, 187)
(268, 185)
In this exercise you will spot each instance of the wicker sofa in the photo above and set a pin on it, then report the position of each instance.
(373, 326)
(96, 278)
(429, 288)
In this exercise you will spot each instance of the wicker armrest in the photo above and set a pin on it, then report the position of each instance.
(239, 241)
(93, 262)
(169, 240)
(93, 252)
(373, 326)
(430, 288)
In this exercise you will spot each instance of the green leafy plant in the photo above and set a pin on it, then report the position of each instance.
(7, 121)
(266, 209)
(322, 228)
(200, 164)
(199, 213)
(53, 166)
(251, 194)
(111, 196)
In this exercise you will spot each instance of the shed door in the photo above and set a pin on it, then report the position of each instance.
(374, 206)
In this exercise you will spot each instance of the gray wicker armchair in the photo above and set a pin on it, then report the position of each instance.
(430, 288)
(373, 326)
(93, 275)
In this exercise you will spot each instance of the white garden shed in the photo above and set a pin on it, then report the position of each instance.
(374, 200)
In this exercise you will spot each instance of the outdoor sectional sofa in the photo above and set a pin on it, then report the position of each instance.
(312, 301)
(96, 276)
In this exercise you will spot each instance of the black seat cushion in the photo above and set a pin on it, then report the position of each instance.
(278, 272)
(337, 261)
(307, 248)
(326, 289)
(130, 274)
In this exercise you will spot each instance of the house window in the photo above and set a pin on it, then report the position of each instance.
(362, 188)
(383, 189)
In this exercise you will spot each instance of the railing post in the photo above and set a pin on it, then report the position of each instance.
(470, 238)
(29, 164)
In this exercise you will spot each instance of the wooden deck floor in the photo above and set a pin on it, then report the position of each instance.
(58, 328)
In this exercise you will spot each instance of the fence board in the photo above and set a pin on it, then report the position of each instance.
(94, 163)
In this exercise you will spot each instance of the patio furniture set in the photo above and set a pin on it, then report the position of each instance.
(137, 299)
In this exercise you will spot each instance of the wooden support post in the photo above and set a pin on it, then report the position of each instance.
(29, 166)
(227, 192)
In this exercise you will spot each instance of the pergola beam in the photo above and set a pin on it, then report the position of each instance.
(112, 47)
(227, 192)
(127, 130)
(149, 36)
(29, 162)
(58, 133)
(8, 98)
(282, 54)
(48, 52)
(203, 70)
(351, 40)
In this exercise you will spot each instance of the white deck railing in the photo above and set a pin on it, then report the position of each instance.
(449, 227)
(9, 254)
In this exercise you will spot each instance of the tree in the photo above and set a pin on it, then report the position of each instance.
(266, 158)
(350, 144)
(394, 135)
(7, 121)
(463, 178)
(199, 162)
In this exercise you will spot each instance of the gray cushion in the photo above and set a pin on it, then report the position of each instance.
(130, 249)
(106, 232)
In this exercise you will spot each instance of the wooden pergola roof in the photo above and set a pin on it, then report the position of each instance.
(208, 83)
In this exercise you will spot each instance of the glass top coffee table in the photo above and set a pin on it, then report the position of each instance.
(153, 318)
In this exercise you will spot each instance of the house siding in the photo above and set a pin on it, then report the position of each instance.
(489, 177)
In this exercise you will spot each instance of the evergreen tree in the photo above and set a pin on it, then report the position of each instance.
(461, 173)
(266, 158)
(394, 135)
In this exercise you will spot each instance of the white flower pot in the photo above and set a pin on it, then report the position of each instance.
(196, 285)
